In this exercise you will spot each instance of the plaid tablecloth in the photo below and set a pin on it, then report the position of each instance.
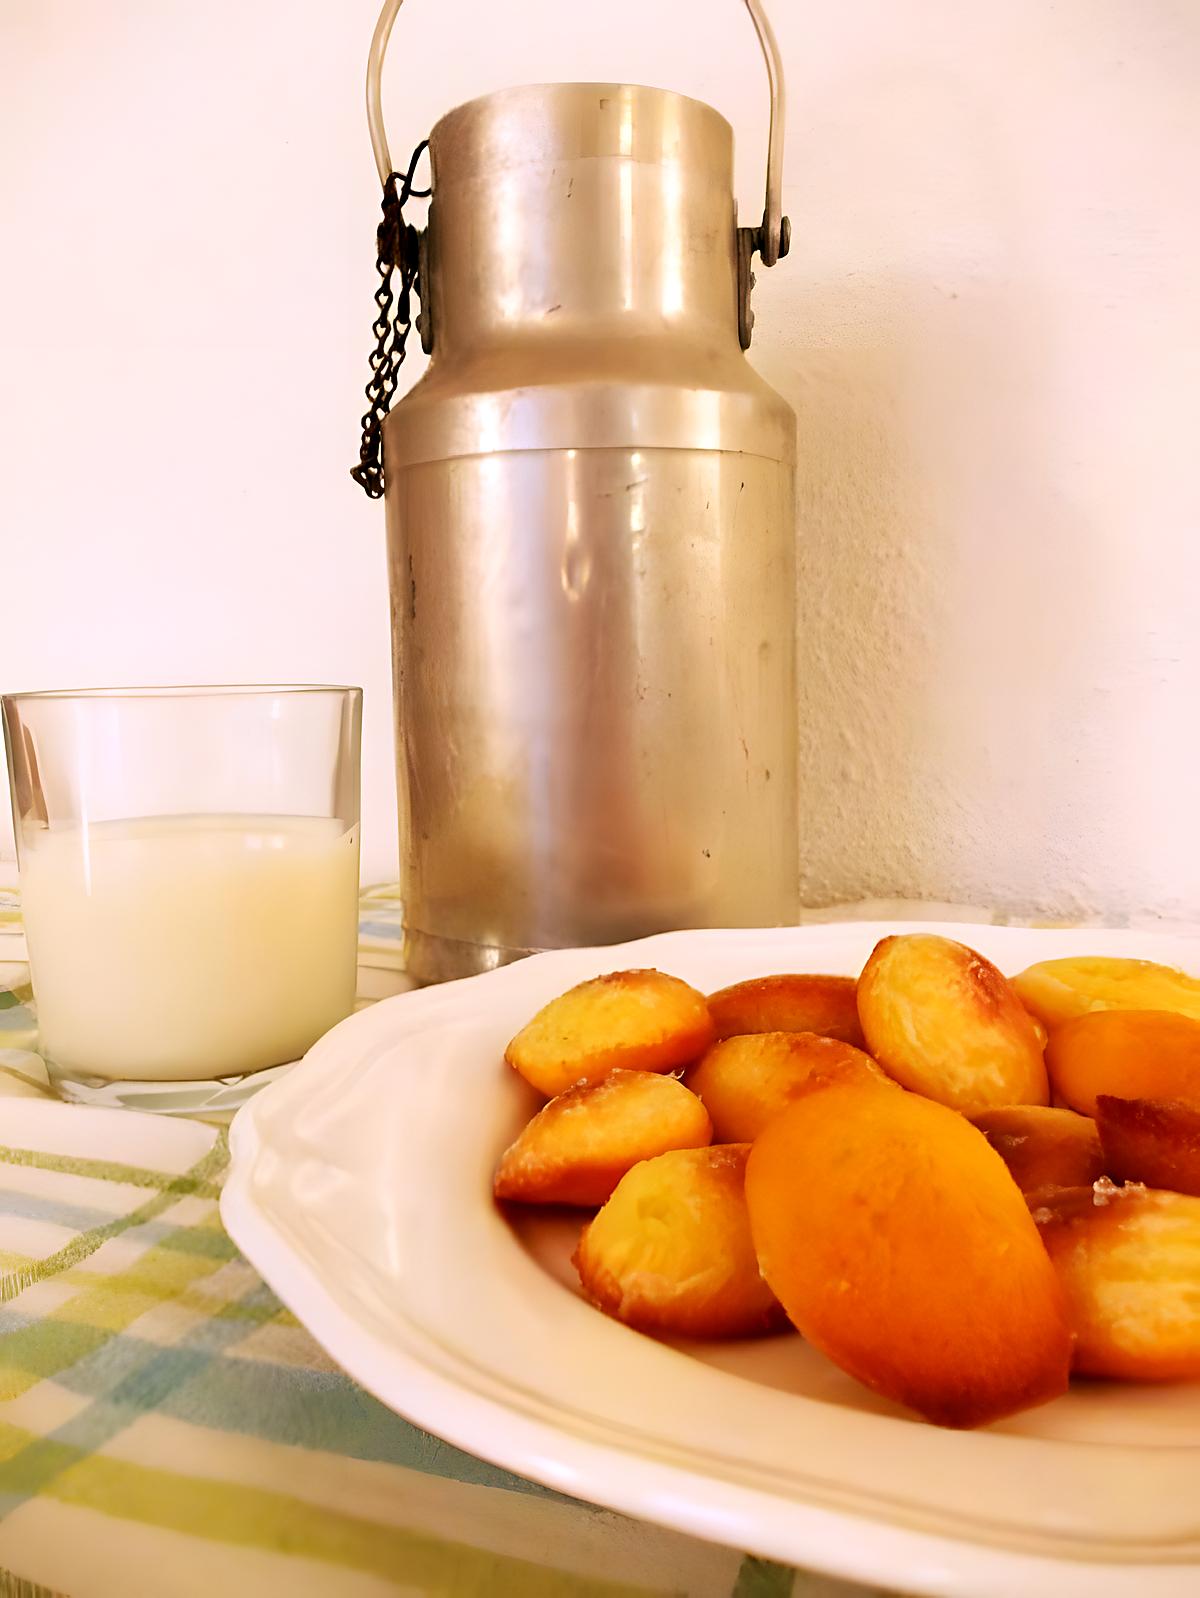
(168, 1429)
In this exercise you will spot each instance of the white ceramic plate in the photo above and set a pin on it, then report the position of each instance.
(361, 1190)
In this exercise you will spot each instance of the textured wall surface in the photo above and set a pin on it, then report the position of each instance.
(991, 334)
(989, 327)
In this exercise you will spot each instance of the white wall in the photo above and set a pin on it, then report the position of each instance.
(988, 326)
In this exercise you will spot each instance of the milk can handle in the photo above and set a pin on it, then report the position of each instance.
(772, 245)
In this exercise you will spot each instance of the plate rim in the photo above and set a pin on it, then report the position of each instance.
(850, 1545)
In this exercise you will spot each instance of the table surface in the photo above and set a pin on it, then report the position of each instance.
(168, 1428)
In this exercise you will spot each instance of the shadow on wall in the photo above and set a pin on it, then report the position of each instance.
(867, 592)
(945, 751)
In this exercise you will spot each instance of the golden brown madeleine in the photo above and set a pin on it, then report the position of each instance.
(579, 1146)
(1057, 991)
(628, 1020)
(1129, 1261)
(1039, 1029)
(899, 1244)
(1042, 1147)
(1130, 1054)
(1155, 1141)
(789, 1003)
(744, 1081)
(944, 1022)
(671, 1253)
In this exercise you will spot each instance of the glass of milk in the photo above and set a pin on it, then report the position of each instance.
(189, 874)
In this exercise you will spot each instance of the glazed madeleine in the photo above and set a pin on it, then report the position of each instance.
(945, 1023)
(789, 1003)
(628, 1020)
(1129, 1262)
(1057, 991)
(899, 1244)
(1044, 1148)
(671, 1253)
(579, 1146)
(744, 1081)
(1127, 1054)
(1153, 1141)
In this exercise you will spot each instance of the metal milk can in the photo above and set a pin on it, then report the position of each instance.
(590, 513)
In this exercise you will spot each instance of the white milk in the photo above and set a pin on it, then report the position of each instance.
(190, 946)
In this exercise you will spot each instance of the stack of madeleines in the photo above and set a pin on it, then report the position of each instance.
(960, 1187)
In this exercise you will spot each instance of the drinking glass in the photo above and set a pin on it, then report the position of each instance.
(189, 874)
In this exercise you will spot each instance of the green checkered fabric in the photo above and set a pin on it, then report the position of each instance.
(167, 1428)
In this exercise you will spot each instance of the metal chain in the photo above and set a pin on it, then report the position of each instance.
(398, 248)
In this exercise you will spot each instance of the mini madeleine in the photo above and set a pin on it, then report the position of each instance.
(1057, 991)
(628, 1020)
(789, 1003)
(899, 1244)
(744, 1081)
(1128, 1054)
(944, 1022)
(1129, 1262)
(1042, 1147)
(1155, 1141)
(579, 1146)
(671, 1252)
